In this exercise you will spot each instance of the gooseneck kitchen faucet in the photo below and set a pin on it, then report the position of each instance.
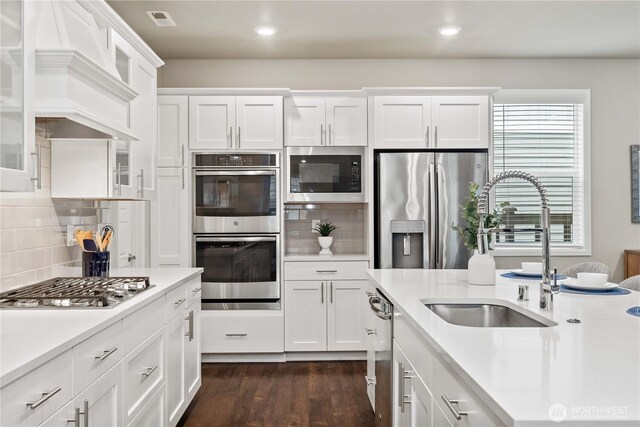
(547, 289)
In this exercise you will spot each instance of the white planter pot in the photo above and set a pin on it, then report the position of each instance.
(481, 270)
(325, 244)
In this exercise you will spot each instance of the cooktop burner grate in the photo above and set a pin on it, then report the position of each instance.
(75, 292)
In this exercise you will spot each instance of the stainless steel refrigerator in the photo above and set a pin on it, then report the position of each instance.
(417, 198)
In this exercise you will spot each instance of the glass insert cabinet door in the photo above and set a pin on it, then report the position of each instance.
(17, 121)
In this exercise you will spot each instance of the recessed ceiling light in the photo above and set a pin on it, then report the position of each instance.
(266, 31)
(449, 30)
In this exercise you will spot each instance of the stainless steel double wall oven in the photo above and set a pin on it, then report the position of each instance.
(236, 229)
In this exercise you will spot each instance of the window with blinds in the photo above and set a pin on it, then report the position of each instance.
(546, 139)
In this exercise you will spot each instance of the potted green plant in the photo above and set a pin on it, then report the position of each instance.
(325, 239)
(481, 268)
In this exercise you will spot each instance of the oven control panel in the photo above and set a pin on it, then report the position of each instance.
(236, 160)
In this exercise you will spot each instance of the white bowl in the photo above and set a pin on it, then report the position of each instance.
(532, 267)
(592, 279)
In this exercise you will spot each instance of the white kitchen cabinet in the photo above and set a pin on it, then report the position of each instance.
(305, 310)
(236, 331)
(235, 122)
(460, 121)
(152, 415)
(426, 370)
(412, 401)
(18, 162)
(141, 75)
(431, 121)
(339, 121)
(183, 358)
(170, 236)
(173, 131)
(92, 169)
(345, 316)
(369, 320)
(193, 365)
(101, 402)
(324, 308)
(176, 390)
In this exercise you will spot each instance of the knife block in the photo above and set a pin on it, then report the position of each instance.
(95, 264)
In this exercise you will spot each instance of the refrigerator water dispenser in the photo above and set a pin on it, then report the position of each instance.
(407, 243)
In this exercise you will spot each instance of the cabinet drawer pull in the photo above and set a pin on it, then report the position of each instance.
(236, 335)
(457, 414)
(106, 354)
(44, 398)
(78, 412)
(370, 331)
(149, 371)
(370, 381)
(326, 271)
(196, 290)
(180, 301)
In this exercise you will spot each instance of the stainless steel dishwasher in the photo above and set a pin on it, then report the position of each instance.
(383, 357)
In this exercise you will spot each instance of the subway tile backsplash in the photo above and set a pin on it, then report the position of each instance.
(33, 230)
(349, 238)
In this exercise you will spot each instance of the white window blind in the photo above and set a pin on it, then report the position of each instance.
(546, 139)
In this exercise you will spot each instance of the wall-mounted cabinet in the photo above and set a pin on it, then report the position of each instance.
(235, 122)
(431, 121)
(339, 121)
(18, 161)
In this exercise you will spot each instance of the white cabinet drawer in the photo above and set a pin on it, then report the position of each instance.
(447, 385)
(143, 373)
(241, 333)
(96, 355)
(176, 301)
(139, 325)
(341, 270)
(47, 387)
(194, 290)
(152, 415)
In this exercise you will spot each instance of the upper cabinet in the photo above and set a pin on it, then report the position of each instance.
(339, 121)
(235, 122)
(431, 121)
(173, 131)
(18, 157)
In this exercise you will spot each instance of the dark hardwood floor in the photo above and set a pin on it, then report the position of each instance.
(281, 394)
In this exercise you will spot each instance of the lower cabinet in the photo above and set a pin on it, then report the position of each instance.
(324, 315)
(240, 331)
(183, 361)
(139, 371)
(152, 415)
(412, 401)
(426, 392)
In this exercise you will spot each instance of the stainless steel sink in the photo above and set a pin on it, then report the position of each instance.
(485, 315)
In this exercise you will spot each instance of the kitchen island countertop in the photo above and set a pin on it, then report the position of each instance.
(591, 368)
(30, 337)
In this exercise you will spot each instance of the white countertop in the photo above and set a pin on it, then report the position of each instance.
(30, 337)
(334, 257)
(521, 372)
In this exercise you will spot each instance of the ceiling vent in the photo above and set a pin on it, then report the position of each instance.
(161, 18)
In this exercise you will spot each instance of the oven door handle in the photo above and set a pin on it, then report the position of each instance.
(233, 172)
(235, 239)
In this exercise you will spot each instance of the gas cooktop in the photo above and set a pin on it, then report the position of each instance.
(75, 292)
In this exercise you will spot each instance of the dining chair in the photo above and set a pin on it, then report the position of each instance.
(632, 283)
(586, 267)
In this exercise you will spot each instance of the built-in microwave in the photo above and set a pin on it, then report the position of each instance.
(325, 174)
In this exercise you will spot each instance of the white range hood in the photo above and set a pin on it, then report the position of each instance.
(76, 80)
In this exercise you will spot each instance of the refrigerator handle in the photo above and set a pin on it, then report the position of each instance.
(441, 215)
(432, 223)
